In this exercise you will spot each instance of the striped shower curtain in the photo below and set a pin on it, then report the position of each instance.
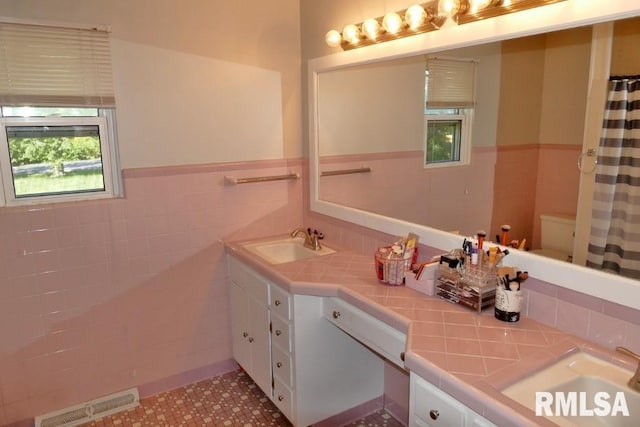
(614, 244)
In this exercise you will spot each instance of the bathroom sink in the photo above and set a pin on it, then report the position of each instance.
(585, 378)
(284, 250)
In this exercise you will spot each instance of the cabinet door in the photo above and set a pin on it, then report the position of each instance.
(240, 326)
(260, 345)
(250, 336)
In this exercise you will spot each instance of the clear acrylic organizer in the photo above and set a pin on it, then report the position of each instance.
(474, 288)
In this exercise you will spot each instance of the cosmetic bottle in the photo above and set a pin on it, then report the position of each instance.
(504, 240)
(474, 255)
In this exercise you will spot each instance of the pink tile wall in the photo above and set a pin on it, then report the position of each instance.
(596, 320)
(100, 296)
(400, 186)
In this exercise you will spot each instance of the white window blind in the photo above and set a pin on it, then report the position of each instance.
(55, 66)
(450, 83)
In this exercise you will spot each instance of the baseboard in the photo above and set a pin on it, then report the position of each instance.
(187, 377)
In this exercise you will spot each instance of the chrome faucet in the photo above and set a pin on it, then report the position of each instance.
(634, 382)
(311, 239)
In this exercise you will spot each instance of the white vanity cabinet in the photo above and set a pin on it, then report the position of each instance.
(310, 369)
(431, 407)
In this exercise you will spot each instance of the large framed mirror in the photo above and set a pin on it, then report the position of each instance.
(534, 82)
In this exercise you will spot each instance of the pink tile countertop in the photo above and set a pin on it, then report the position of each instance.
(468, 355)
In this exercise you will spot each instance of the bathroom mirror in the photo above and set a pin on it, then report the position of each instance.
(468, 209)
(371, 129)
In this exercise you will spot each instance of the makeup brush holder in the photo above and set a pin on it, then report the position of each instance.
(508, 304)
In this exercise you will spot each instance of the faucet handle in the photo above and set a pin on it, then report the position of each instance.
(318, 235)
(628, 352)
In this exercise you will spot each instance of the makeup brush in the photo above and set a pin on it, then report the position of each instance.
(481, 234)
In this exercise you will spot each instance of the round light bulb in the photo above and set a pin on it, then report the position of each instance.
(351, 34)
(415, 16)
(448, 8)
(477, 5)
(333, 38)
(392, 23)
(371, 28)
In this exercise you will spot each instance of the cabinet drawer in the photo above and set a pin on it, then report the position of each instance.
(280, 302)
(281, 333)
(255, 285)
(374, 333)
(434, 407)
(283, 398)
(281, 362)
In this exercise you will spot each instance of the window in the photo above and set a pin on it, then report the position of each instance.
(57, 115)
(449, 102)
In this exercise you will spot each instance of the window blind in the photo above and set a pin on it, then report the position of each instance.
(450, 83)
(55, 66)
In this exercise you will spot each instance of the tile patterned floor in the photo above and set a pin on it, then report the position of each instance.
(232, 399)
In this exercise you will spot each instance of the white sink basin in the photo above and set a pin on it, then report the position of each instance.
(285, 250)
(583, 377)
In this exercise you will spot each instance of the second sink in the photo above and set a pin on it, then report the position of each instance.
(584, 376)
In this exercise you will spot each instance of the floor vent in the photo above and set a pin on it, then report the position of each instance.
(89, 411)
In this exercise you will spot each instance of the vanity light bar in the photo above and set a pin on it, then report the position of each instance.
(503, 7)
(424, 17)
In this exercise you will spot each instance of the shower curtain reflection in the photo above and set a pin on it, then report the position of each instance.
(614, 245)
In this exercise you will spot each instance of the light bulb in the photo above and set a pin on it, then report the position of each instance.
(477, 5)
(351, 34)
(448, 8)
(415, 16)
(371, 28)
(333, 38)
(392, 22)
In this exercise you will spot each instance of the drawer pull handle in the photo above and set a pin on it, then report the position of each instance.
(278, 332)
(434, 414)
(245, 334)
(251, 339)
(279, 364)
(277, 302)
(402, 356)
(336, 314)
(280, 398)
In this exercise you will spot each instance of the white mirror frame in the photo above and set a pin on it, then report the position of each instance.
(568, 14)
